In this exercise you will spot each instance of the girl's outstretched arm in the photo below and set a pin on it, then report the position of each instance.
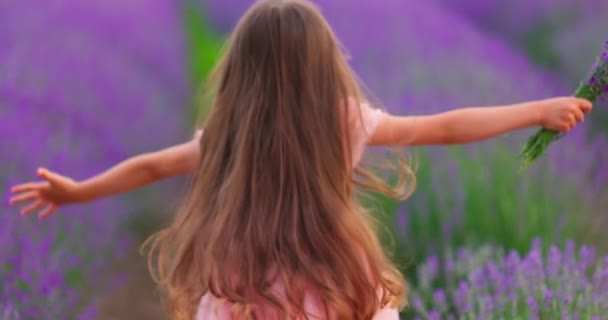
(475, 124)
(128, 175)
(140, 171)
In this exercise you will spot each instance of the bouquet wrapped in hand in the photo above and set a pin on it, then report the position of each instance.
(592, 89)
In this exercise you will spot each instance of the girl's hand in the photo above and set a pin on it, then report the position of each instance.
(562, 114)
(47, 195)
(130, 174)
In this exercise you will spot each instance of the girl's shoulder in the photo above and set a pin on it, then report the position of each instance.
(198, 134)
(363, 119)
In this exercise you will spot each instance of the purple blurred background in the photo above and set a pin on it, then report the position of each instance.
(85, 84)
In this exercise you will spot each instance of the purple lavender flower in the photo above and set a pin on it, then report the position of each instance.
(434, 315)
(462, 299)
(83, 85)
(532, 307)
(575, 288)
(418, 305)
(440, 300)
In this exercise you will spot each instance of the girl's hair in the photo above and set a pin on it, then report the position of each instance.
(274, 195)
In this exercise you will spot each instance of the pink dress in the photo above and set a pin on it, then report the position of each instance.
(361, 131)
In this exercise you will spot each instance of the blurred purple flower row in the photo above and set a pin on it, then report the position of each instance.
(521, 20)
(486, 284)
(516, 18)
(83, 85)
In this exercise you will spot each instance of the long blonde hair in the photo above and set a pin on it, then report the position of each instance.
(274, 188)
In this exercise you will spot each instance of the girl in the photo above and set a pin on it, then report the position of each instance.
(271, 228)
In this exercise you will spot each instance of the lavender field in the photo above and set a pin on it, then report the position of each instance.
(85, 84)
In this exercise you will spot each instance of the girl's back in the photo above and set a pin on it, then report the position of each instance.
(212, 308)
(274, 188)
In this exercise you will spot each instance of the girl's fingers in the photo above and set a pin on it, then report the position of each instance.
(48, 211)
(49, 176)
(27, 186)
(579, 115)
(33, 207)
(52, 178)
(585, 105)
(31, 195)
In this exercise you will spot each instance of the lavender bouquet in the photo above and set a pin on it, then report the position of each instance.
(486, 284)
(592, 90)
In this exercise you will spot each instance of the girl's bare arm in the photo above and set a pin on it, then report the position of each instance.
(56, 190)
(475, 124)
(141, 170)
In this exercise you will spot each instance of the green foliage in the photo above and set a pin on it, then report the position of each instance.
(538, 43)
(492, 204)
(75, 278)
(205, 49)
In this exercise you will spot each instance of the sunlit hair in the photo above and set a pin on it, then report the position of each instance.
(274, 195)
